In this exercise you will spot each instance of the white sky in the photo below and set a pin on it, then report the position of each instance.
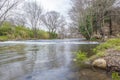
(61, 6)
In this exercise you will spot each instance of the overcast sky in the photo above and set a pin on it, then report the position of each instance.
(61, 6)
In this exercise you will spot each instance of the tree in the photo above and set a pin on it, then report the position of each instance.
(77, 11)
(100, 10)
(53, 21)
(5, 7)
(33, 13)
(90, 16)
(81, 16)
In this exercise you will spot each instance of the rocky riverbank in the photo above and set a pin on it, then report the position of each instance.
(110, 62)
(108, 56)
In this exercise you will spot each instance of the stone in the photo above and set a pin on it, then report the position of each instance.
(100, 63)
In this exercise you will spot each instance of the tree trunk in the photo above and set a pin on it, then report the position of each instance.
(110, 26)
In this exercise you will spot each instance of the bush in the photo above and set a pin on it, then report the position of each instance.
(115, 76)
(85, 28)
(43, 34)
(81, 56)
(52, 35)
(12, 32)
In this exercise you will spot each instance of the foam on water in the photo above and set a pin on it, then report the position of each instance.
(43, 42)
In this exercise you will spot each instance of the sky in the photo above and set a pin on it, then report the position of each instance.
(61, 6)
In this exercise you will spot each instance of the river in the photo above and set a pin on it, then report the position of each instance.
(45, 60)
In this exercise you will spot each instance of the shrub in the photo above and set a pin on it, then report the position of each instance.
(81, 56)
(12, 32)
(86, 28)
(115, 76)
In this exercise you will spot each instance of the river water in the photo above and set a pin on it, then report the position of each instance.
(45, 60)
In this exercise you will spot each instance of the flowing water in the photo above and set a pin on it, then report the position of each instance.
(45, 60)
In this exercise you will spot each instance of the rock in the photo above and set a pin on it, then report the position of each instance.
(74, 59)
(100, 63)
(113, 60)
(87, 62)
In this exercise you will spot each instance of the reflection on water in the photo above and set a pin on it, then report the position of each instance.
(44, 62)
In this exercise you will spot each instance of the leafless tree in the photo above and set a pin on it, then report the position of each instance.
(33, 13)
(18, 19)
(53, 21)
(98, 10)
(78, 11)
(5, 7)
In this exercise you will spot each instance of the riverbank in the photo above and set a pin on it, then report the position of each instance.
(9, 31)
(107, 56)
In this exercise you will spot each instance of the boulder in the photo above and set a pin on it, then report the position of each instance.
(100, 63)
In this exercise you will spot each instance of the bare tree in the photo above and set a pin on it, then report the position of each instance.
(53, 21)
(18, 19)
(92, 13)
(78, 11)
(5, 7)
(33, 13)
(79, 15)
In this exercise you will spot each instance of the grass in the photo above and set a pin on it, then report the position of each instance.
(113, 44)
(9, 31)
(115, 76)
(110, 44)
(3, 38)
(100, 50)
(81, 56)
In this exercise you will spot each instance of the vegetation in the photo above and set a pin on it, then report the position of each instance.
(13, 32)
(110, 44)
(113, 44)
(93, 18)
(115, 76)
(86, 28)
(15, 18)
(81, 56)
(53, 22)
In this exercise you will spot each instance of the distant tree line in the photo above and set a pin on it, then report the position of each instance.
(29, 16)
(96, 18)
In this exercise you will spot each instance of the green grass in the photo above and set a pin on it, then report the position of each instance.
(81, 56)
(115, 76)
(3, 38)
(102, 48)
(110, 44)
(9, 31)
